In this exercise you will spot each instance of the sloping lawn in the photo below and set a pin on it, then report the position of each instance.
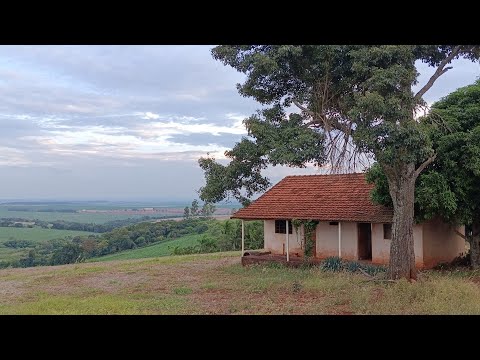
(163, 248)
(218, 284)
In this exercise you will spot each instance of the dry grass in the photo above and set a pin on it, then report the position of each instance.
(218, 284)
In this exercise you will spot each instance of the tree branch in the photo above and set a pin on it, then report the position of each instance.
(424, 165)
(320, 118)
(460, 234)
(439, 72)
(304, 109)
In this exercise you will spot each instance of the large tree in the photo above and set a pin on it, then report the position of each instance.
(450, 187)
(352, 100)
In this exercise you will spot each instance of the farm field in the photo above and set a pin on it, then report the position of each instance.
(97, 212)
(218, 284)
(163, 248)
(98, 218)
(30, 234)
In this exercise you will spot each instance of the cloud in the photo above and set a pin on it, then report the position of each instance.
(126, 120)
(148, 115)
(235, 116)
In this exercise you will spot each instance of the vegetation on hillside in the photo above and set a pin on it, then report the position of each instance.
(217, 236)
(163, 248)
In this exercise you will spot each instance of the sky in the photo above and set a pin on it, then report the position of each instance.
(127, 122)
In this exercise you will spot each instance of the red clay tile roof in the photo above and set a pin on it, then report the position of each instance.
(318, 197)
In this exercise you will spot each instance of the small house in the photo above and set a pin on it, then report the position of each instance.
(348, 224)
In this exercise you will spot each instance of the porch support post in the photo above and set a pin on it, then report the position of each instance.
(339, 239)
(243, 238)
(288, 247)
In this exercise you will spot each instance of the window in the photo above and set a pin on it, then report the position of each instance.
(281, 227)
(333, 222)
(387, 231)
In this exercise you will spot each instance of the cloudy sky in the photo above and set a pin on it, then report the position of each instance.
(126, 122)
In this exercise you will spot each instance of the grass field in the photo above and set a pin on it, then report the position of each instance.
(31, 234)
(218, 284)
(36, 234)
(162, 249)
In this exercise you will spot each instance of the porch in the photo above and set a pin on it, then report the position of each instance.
(347, 240)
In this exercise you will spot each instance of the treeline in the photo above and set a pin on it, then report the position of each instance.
(79, 248)
(72, 225)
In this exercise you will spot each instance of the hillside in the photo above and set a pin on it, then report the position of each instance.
(33, 235)
(218, 284)
(159, 249)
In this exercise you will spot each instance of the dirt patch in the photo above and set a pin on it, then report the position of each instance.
(476, 280)
(230, 301)
(342, 310)
(11, 289)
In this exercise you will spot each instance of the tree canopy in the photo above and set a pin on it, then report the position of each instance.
(352, 101)
(342, 93)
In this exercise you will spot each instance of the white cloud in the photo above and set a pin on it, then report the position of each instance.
(235, 116)
(115, 142)
(149, 115)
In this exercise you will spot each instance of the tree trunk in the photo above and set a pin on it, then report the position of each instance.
(475, 245)
(402, 191)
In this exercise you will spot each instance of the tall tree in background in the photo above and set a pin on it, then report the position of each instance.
(194, 208)
(450, 187)
(207, 210)
(186, 212)
(354, 101)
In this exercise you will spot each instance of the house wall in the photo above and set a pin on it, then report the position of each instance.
(381, 246)
(441, 243)
(275, 242)
(327, 240)
(434, 242)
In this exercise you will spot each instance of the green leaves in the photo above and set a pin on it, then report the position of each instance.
(361, 91)
(450, 187)
(277, 140)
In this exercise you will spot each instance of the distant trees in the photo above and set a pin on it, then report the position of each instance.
(207, 210)
(186, 212)
(194, 208)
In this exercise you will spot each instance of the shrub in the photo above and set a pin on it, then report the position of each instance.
(459, 261)
(178, 250)
(352, 266)
(373, 269)
(333, 263)
(18, 244)
(336, 264)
